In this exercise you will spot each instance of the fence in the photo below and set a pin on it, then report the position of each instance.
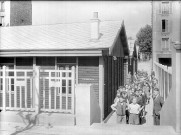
(164, 76)
(51, 90)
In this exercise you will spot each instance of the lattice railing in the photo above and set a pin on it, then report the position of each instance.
(55, 88)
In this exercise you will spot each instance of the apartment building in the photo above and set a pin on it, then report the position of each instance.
(15, 13)
(162, 32)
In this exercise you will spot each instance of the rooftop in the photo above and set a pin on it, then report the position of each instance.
(58, 36)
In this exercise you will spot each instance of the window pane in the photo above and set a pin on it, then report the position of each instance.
(64, 90)
(63, 82)
(12, 87)
(70, 90)
(70, 83)
(12, 81)
(66, 59)
(163, 25)
(63, 74)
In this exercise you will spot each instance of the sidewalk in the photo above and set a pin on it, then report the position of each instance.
(149, 115)
(145, 66)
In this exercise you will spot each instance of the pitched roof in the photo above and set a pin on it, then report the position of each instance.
(57, 36)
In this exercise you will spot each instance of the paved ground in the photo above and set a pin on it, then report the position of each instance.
(145, 66)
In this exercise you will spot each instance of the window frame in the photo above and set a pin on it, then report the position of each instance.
(165, 48)
(167, 26)
(164, 12)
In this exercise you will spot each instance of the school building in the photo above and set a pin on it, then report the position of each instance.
(42, 67)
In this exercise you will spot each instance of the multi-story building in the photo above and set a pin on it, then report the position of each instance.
(15, 13)
(162, 32)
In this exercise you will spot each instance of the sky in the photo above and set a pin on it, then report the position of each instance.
(136, 14)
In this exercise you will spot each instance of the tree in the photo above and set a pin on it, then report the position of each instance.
(144, 39)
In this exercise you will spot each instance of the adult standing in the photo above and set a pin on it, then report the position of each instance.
(158, 103)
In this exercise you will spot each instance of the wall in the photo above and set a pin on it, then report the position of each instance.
(113, 78)
(118, 49)
(7, 13)
(157, 34)
(88, 72)
(87, 106)
(20, 13)
(171, 112)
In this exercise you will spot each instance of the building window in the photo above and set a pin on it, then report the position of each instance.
(165, 7)
(1, 20)
(165, 44)
(2, 6)
(165, 25)
(165, 61)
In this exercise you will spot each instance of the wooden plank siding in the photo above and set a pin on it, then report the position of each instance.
(88, 72)
(113, 78)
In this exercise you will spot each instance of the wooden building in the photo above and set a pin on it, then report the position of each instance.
(67, 54)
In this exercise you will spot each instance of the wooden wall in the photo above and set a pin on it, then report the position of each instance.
(113, 78)
(88, 72)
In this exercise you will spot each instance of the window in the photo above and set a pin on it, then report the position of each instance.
(165, 61)
(164, 25)
(2, 6)
(165, 7)
(165, 44)
(1, 20)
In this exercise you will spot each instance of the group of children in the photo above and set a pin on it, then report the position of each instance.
(131, 100)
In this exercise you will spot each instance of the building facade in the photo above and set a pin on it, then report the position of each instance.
(15, 13)
(96, 50)
(162, 31)
(166, 16)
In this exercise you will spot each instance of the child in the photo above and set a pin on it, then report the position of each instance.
(120, 107)
(134, 110)
(117, 96)
(124, 95)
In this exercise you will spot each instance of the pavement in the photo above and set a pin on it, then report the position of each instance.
(145, 66)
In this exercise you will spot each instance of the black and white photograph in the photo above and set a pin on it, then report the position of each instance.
(90, 67)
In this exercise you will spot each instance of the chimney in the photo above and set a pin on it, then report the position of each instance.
(95, 27)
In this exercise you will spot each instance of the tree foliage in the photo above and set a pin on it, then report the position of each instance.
(144, 39)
